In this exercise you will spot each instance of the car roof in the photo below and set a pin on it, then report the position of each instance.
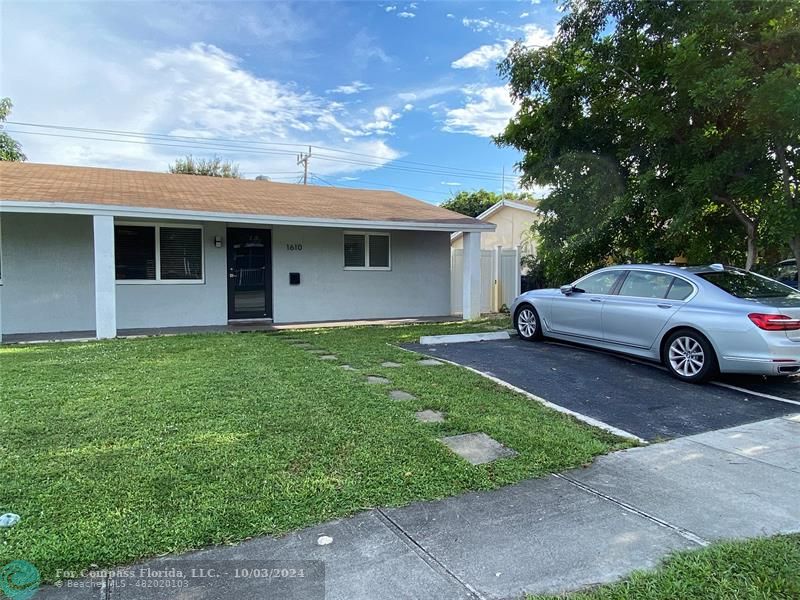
(694, 269)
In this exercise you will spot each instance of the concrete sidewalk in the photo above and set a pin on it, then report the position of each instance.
(549, 535)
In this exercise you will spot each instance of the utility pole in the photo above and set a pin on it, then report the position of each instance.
(303, 158)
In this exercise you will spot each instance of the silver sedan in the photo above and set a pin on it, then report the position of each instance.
(697, 321)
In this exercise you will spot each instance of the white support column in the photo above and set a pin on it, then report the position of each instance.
(105, 287)
(518, 279)
(471, 281)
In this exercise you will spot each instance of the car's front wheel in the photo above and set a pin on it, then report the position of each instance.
(689, 356)
(527, 323)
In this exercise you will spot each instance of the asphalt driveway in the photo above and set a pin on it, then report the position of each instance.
(637, 397)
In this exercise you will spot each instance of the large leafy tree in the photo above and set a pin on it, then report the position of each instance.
(662, 127)
(475, 202)
(10, 149)
(213, 167)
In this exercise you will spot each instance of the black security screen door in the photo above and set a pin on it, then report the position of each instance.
(249, 273)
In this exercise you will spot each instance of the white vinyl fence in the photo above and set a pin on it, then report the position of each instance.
(500, 279)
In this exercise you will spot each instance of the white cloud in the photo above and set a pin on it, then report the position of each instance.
(536, 36)
(523, 15)
(478, 24)
(363, 48)
(482, 57)
(427, 92)
(450, 16)
(350, 88)
(490, 54)
(384, 117)
(408, 107)
(197, 90)
(390, 8)
(406, 15)
(485, 113)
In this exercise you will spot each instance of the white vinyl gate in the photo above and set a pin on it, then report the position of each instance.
(500, 279)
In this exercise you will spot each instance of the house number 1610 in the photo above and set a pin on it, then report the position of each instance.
(294, 247)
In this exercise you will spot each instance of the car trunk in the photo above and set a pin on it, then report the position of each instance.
(786, 306)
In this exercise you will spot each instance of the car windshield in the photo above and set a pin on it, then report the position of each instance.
(747, 285)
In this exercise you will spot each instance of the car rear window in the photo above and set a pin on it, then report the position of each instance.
(747, 285)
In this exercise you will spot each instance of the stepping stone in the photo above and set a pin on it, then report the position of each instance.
(390, 365)
(372, 379)
(348, 368)
(328, 357)
(303, 345)
(316, 351)
(401, 395)
(429, 362)
(430, 416)
(477, 448)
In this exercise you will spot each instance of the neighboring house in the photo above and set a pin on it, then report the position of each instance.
(97, 250)
(513, 221)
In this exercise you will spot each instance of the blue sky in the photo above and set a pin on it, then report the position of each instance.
(391, 82)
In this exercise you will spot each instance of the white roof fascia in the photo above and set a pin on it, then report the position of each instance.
(22, 206)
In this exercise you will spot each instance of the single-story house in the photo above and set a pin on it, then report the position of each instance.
(101, 250)
(512, 221)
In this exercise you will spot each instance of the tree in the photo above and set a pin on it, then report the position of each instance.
(10, 149)
(214, 167)
(471, 203)
(474, 203)
(656, 121)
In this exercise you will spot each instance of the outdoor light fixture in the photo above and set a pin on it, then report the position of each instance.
(217, 241)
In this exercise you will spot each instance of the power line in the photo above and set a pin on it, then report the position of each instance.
(452, 169)
(301, 178)
(152, 143)
(321, 180)
(380, 184)
(397, 164)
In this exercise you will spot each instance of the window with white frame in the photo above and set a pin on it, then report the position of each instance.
(145, 252)
(367, 251)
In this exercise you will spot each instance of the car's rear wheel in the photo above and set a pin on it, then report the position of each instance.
(688, 356)
(527, 323)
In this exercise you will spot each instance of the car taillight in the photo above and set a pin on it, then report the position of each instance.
(774, 322)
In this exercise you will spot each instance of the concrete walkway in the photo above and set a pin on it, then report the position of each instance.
(559, 533)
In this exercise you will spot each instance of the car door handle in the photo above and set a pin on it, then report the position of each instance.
(665, 306)
(595, 300)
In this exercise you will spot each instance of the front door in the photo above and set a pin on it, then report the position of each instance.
(580, 313)
(249, 273)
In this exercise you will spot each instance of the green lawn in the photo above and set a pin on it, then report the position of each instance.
(117, 450)
(760, 569)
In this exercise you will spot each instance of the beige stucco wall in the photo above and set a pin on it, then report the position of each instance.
(511, 224)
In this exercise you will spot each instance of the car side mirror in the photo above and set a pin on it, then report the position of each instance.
(567, 289)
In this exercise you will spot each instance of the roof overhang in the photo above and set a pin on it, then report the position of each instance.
(71, 208)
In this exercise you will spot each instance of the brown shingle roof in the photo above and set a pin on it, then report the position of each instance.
(31, 182)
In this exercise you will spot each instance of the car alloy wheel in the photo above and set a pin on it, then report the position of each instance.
(686, 356)
(526, 323)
